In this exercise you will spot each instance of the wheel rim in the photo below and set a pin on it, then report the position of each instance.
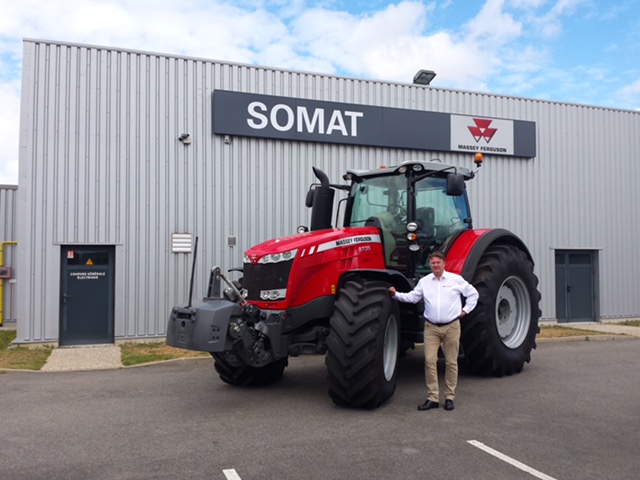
(390, 348)
(513, 309)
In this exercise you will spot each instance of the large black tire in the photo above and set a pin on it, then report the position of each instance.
(244, 375)
(362, 345)
(499, 334)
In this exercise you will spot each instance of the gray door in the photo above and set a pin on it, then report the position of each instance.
(575, 293)
(87, 293)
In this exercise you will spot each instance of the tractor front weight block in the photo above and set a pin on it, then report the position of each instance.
(204, 327)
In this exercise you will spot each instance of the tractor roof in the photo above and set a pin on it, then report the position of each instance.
(416, 165)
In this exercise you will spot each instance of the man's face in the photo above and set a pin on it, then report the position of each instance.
(437, 265)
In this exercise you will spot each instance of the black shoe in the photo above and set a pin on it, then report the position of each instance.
(448, 405)
(428, 405)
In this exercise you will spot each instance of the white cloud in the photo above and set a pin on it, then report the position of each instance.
(501, 48)
(9, 131)
(630, 94)
(550, 23)
(633, 89)
(493, 25)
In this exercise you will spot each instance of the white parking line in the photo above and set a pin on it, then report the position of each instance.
(510, 460)
(231, 474)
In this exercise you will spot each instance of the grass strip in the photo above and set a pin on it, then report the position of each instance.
(139, 353)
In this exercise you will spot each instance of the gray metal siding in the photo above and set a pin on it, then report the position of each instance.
(8, 194)
(101, 164)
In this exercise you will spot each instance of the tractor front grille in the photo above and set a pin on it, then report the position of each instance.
(267, 276)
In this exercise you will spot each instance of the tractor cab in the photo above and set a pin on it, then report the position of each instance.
(417, 206)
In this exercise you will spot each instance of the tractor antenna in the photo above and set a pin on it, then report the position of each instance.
(193, 271)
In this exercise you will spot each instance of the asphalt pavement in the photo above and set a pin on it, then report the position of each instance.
(571, 414)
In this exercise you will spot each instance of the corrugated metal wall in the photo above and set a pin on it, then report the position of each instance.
(101, 164)
(8, 234)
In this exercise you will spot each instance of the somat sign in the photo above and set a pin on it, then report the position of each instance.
(298, 119)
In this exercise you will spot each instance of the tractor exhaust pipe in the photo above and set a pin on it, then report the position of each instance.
(322, 206)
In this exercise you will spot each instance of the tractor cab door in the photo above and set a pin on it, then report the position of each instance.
(382, 202)
(391, 202)
(438, 215)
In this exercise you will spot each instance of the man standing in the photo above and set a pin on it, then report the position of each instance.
(441, 292)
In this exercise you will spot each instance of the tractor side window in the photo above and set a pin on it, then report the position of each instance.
(438, 216)
(448, 213)
(382, 202)
(376, 195)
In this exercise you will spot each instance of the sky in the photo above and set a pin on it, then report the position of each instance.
(575, 51)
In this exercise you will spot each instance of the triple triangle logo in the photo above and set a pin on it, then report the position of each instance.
(482, 130)
(491, 135)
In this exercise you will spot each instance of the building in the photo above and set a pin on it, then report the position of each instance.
(8, 195)
(126, 157)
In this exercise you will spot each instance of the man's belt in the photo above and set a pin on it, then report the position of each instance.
(444, 323)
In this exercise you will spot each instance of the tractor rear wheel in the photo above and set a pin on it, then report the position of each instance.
(499, 334)
(362, 353)
(234, 372)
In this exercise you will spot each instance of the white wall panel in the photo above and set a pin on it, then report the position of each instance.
(101, 164)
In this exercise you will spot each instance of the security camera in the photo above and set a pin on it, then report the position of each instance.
(184, 136)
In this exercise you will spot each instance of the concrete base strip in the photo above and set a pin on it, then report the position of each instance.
(70, 359)
(510, 460)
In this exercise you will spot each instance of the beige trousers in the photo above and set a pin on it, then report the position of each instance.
(447, 336)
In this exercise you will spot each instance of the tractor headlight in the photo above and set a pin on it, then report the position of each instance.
(278, 257)
(273, 295)
(412, 226)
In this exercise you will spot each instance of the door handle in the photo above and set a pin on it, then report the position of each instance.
(568, 288)
(64, 297)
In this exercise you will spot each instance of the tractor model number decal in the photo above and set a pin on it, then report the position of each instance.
(346, 242)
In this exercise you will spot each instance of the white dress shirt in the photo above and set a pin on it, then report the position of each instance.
(442, 302)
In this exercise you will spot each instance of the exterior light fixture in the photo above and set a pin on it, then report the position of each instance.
(424, 77)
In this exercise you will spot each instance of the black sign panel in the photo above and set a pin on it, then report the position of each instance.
(268, 116)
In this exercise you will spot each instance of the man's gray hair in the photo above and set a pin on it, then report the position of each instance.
(439, 255)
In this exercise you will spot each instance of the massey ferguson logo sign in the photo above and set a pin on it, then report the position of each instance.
(485, 135)
(299, 119)
(482, 130)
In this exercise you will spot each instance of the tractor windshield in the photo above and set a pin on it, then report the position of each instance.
(387, 202)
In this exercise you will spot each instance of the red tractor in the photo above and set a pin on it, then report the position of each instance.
(324, 289)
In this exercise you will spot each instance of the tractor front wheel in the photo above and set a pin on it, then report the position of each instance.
(363, 344)
(234, 372)
(499, 334)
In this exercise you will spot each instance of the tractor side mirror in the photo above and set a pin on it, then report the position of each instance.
(455, 184)
(308, 202)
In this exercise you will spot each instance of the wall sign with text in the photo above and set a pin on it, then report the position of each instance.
(286, 118)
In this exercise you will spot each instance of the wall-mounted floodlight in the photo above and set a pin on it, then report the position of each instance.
(424, 77)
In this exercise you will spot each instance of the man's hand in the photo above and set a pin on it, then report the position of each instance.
(392, 291)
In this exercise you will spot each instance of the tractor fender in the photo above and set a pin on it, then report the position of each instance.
(465, 253)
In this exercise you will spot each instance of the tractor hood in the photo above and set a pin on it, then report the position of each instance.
(308, 243)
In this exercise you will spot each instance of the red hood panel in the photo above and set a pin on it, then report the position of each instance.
(317, 240)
